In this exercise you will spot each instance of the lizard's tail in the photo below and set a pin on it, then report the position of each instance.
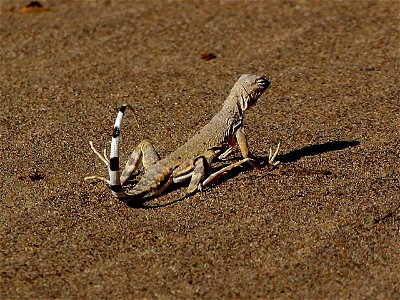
(114, 172)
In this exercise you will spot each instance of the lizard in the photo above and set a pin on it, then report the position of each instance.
(193, 159)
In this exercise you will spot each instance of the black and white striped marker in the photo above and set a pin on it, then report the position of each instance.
(115, 182)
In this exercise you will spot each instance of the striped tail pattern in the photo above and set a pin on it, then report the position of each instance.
(114, 172)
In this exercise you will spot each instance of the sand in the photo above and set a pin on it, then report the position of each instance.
(326, 224)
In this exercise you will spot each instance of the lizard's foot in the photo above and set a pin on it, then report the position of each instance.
(99, 155)
(97, 178)
(103, 159)
(271, 157)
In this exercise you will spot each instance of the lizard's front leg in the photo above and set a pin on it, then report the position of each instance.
(244, 148)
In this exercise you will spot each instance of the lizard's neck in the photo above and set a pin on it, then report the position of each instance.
(233, 108)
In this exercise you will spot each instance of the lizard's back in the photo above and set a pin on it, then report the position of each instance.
(215, 134)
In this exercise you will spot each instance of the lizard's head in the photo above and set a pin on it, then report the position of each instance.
(249, 88)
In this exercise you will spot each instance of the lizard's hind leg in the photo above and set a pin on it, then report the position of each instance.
(145, 153)
(214, 177)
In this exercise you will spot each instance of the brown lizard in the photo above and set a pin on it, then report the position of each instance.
(193, 159)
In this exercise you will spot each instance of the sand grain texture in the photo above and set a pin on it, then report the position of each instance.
(326, 225)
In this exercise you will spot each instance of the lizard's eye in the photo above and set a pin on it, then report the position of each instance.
(264, 82)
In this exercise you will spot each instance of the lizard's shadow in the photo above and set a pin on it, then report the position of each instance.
(284, 158)
(315, 150)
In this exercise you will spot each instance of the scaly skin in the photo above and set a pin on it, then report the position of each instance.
(192, 159)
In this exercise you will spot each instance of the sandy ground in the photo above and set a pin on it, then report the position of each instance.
(325, 225)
